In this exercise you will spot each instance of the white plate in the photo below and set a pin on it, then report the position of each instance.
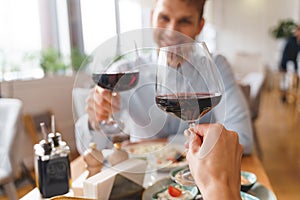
(157, 153)
(258, 190)
(263, 193)
(157, 186)
(246, 196)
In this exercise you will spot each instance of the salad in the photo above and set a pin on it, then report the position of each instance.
(175, 192)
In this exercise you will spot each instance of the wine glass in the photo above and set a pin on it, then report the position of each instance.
(118, 76)
(188, 84)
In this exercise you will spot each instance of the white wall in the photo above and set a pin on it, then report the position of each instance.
(244, 25)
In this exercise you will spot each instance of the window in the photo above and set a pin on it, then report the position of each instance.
(20, 39)
(130, 15)
(98, 22)
(31, 25)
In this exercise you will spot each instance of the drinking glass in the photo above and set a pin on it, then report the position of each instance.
(118, 76)
(188, 84)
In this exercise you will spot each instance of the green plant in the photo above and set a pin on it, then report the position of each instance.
(77, 59)
(51, 61)
(283, 29)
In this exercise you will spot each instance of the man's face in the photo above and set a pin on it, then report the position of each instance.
(175, 15)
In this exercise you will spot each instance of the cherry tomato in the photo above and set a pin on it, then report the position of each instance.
(171, 159)
(174, 192)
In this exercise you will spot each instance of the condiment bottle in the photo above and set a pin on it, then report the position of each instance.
(93, 159)
(52, 165)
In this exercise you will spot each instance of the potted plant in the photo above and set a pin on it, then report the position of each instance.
(283, 29)
(51, 62)
(77, 59)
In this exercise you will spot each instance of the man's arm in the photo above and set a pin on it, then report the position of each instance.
(84, 135)
(233, 110)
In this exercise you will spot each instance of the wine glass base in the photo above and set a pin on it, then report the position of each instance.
(184, 178)
(110, 128)
(114, 131)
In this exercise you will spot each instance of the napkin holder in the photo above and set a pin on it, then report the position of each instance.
(101, 185)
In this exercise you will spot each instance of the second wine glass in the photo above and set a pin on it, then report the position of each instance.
(119, 76)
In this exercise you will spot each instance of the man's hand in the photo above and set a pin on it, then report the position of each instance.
(100, 104)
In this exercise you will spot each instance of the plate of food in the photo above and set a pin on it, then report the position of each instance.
(250, 188)
(161, 188)
(167, 189)
(165, 156)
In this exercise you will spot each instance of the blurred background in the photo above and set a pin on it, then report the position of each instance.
(43, 43)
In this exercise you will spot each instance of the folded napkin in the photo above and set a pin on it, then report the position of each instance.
(68, 198)
(118, 181)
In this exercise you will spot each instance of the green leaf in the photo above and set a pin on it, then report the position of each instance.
(283, 29)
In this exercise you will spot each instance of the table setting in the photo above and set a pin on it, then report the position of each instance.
(157, 169)
(255, 187)
(261, 189)
(251, 189)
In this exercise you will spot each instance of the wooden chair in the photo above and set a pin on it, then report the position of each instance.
(32, 124)
(293, 87)
(253, 107)
(33, 129)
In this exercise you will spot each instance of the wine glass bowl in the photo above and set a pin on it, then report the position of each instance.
(119, 75)
(188, 86)
(116, 81)
(188, 107)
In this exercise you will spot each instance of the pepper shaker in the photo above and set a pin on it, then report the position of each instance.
(118, 155)
(93, 159)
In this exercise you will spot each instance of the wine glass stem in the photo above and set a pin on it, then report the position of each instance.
(192, 124)
(188, 173)
(110, 118)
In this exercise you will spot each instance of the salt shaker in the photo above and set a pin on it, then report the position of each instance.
(93, 159)
(118, 155)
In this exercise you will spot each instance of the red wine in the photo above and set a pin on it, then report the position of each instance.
(116, 82)
(188, 107)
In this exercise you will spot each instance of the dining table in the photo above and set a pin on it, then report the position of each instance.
(250, 163)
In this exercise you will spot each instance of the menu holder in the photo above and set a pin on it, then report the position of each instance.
(121, 180)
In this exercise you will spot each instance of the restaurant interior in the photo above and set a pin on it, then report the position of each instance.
(43, 44)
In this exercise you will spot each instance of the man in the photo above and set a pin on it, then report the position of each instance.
(291, 50)
(173, 16)
(289, 54)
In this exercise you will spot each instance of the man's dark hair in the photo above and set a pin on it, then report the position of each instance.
(198, 3)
